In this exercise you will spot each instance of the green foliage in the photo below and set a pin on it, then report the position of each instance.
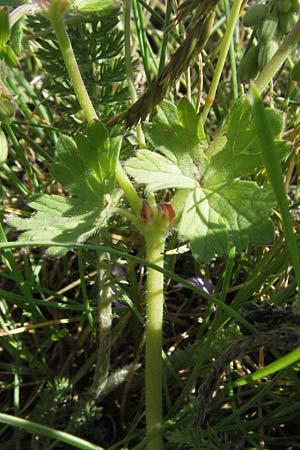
(248, 67)
(6, 51)
(295, 74)
(224, 214)
(221, 209)
(4, 26)
(95, 5)
(157, 172)
(61, 219)
(266, 51)
(194, 438)
(51, 324)
(177, 133)
(255, 14)
(87, 170)
(95, 37)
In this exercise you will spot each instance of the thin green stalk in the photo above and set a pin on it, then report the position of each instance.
(43, 430)
(128, 65)
(273, 166)
(234, 80)
(105, 298)
(135, 296)
(142, 37)
(17, 276)
(278, 365)
(22, 104)
(278, 59)
(85, 299)
(228, 273)
(72, 67)
(125, 184)
(161, 21)
(164, 43)
(29, 89)
(14, 180)
(36, 147)
(225, 44)
(21, 156)
(155, 242)
(127, 47)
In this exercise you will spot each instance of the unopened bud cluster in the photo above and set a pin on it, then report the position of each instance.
(272, 21)
(163, 216)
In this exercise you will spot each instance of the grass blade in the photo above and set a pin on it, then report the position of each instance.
(279, 364)
(43, 430)
(272, 163)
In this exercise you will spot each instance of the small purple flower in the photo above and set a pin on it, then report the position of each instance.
(206, 285)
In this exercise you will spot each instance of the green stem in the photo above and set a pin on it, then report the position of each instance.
(273, 166)
(142, 37)
(130, 193)
(278, 59)
(165, 39)
(127, 47)
(128, 66)
(225, 44)
(43, 430)
(155, 242)
(20, 153)
(72, 66)
(232, 53)
(105, 298)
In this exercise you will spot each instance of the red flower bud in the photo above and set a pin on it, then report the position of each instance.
(146, 212)
(167, 212)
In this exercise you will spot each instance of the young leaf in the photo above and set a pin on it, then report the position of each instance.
(87, 167)
(157, 172)
(177, 133)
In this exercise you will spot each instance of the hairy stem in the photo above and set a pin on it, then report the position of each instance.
(104, 328)
(72, 66)
(225, 44)
(155, 241)
(125, 184)
(104, 289)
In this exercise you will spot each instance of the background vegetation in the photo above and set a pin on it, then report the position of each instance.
(226, 384)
